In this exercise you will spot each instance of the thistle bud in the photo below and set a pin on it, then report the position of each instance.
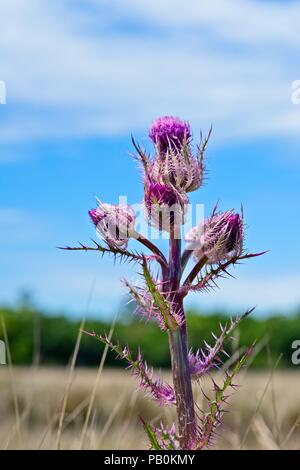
(164, 206)
(114, 222)
(219, 237)
(175, 163)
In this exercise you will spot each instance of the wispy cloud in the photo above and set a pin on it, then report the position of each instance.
(242, 21)
(267, 292)
(62, 287)
(68, 288)
(21, 226)
(106, 68)
(9, 216)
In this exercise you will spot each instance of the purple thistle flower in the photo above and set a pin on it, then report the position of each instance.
(114, 223)
(164, 205)
(161, 194)
(175, 163)
(220, 237)
(169, 131)
(96, 216)
(173, 172)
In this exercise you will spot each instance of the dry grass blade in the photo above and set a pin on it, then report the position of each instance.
(291, 431)
(111, 418)
(64, 402)
(94, 391)
(13, 388)
(265, 436)
(276, 428)
(34, 368)
(68, 386)
(76, 412)
(260, 402)
(71, 371)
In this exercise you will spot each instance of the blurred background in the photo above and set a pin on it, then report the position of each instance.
(80, 77)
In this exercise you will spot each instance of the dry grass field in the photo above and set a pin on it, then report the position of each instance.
(52, 408)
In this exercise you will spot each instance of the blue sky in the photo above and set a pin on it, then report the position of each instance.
(81, 76)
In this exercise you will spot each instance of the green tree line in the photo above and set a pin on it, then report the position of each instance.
(50, 339)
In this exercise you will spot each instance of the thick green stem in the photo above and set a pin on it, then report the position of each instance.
(179, 353)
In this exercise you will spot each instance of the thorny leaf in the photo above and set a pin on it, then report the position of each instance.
(118, 253)
(204, 360)
(212, 420)
(161, 392)
(151, 435)
(163, 305)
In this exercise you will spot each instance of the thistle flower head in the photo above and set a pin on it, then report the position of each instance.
(156, 193)
(114, 222)
(174, 163)
(165, 206)
(220, 237)
(169, 131)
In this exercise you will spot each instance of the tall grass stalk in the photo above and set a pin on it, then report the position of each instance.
(68, 385)
(12, 383)
(95, 387)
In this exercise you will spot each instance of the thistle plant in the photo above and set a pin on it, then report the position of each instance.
(211, 248)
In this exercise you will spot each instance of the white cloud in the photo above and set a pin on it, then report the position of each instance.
(10, 215)
(110, 67)
(22, 226)
(267, 292)
(248, 21)
(63, 282)
(69, 288)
